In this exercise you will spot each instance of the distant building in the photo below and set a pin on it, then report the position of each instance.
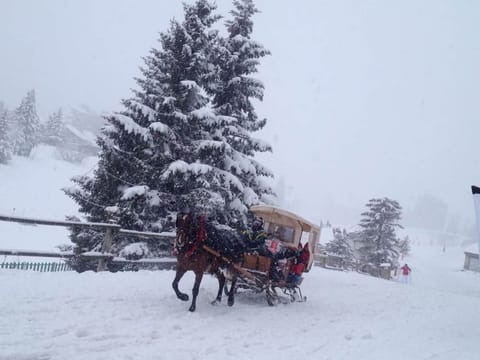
(76, 144)
(471, 258)
(79, 135)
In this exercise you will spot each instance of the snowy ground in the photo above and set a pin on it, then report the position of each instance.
(347, 316)
(137, 316)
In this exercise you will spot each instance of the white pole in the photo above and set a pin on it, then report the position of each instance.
(476, 204)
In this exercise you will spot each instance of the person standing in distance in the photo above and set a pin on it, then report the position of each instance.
(405, 273)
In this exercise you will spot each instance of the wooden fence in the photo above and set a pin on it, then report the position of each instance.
(37, 266)
(104, 256)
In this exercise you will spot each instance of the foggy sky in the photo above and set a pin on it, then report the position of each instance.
(363, 98)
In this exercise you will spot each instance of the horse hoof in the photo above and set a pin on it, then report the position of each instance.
(192, 308)
(215, 302)
(183, 297)
(230, 302)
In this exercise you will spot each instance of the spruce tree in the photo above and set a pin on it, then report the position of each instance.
(238, 57)
(27, 124)
(5, 147)
(53, 128)
(378, 240)
(404, 247)
(165, 151)
(340, 246)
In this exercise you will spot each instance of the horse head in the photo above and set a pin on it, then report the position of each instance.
(190, 229)
(184, 225)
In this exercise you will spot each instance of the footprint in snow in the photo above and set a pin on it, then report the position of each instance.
(81, 333)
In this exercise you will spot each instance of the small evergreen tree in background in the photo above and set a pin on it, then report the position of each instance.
(52, 130)
(378, 242)
(5, 146)
(341, 246)
(404, 247)
(26, 125)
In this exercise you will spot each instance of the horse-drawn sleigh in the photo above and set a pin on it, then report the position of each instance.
(275, 268)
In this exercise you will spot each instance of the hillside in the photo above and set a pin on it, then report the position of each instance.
(31, 187)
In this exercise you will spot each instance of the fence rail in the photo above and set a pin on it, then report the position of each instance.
(37, 266)
(104, 256)
(34, 253)
(33, 221)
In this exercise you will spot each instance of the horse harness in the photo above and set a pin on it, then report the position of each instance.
(185, 242)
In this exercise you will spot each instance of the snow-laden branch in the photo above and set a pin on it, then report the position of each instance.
(131, 192)
(146, 111)
(132, 127)
(162, 128)
(180, 166)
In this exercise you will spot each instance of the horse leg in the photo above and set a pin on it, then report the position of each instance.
(221, 285)
(178, 276)
(231, 293)
(196, 287)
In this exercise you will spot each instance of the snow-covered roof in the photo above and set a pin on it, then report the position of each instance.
(472, 248)
(266, 210)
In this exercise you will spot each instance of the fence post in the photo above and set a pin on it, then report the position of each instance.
(106, 246)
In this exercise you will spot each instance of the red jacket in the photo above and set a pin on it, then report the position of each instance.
(305, 255)
(405, 269)
(302, 261)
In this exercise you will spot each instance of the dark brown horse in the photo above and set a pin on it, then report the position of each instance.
(190, 246)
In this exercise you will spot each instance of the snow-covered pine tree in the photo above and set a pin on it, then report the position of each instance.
(404, 247)
(5, 147)
(340, 246)
(156, 154)
(52, 130)
(26, 123)
(237, 57)
(378, 239)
